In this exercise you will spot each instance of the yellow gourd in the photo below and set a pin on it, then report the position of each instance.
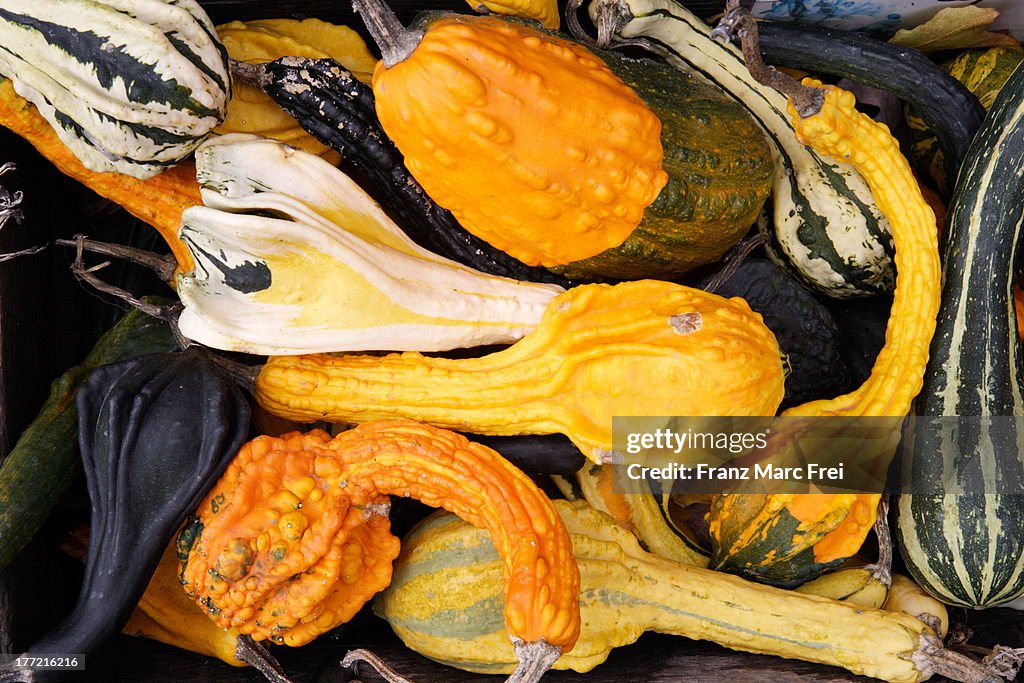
(445, 600)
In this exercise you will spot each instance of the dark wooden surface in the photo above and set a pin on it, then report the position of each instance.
(47, 323)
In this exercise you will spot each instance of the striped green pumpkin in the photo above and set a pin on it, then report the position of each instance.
(969, 549)
(131, 86)
(826, 225)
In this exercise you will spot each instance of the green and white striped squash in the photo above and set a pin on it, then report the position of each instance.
(130, 86)
(827, 228)
(965, 545)
(292, 257)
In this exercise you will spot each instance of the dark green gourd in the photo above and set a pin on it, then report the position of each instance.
(155, 433)
(967, 549)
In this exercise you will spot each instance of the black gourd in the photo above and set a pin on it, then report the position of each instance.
(155, 433)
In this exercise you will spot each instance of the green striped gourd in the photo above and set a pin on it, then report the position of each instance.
(131, 86)
(983, 71)
(826, 225)
(968, 549)
(445, 602)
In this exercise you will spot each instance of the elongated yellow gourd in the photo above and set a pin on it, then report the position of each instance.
(790, 538)
(445, 603)
(636, 348)
(293, 257)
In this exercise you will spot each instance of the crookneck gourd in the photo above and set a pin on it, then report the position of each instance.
(791, 538)
(960, 517)
(293, 257)
(445, 599)
(295, 538)
(130, 86)
(637, 348)
(825, 224)
(556, 154)
(154, 433)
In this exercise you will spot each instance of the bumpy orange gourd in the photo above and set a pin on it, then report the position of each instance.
(294, 538)
(790, 538)
(637, 348)
(530, 140)
(159, 201)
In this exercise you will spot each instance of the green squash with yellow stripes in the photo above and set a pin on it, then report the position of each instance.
(983, 71)
(959, 527)
(129, 86)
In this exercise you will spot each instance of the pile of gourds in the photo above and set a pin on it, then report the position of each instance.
(491, 181)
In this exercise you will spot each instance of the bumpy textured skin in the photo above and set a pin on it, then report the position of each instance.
(166, 614)
(444, 603)
(544, 11)
(528, 139)
(719, 168)
(808, 334)
(789, 539)
(158, 201)
(637, 348)
(130, 86)
(294, 539)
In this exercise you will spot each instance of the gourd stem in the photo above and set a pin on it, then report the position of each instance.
(738, 22)
(396, 42)
(734, 260)
(535, 659)
(259, 658)
(353, 657)
(163, 266)
(933, 657)
(255, 75)
(882, 569)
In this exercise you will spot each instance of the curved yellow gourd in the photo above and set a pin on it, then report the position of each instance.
(808, 532)
(637, 348)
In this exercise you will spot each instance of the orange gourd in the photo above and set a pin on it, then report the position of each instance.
(294, 538)
(529, 139)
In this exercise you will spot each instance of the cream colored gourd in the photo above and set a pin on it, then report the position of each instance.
(292, 257)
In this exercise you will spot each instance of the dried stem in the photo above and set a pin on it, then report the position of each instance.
(168, 313)
(882, 569)
(255, 75)
(534, 660)
(738, 23)
(353, 657)
(163, 266)
(396, 42)
(24, 252)
(259, 658)
(734, 259)
(932, 658)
